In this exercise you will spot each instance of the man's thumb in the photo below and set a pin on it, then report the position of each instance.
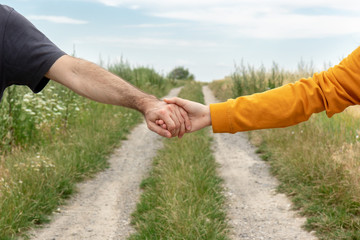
(178, 101)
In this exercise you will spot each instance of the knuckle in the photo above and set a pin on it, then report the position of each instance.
(171, 127)
(169, 107)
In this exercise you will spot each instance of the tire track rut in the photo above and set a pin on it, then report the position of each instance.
(254, 209)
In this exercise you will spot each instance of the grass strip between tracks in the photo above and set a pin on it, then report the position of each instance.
(182, 197)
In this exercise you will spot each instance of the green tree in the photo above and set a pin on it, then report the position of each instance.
(181, 73)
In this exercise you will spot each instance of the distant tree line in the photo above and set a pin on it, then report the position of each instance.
(181, 73)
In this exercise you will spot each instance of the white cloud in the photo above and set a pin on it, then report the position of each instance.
(271, 24)
(353, 5)
(151, 42)
(57, 19)
(162, 3)
(149, 25)
(112, 3)
(134, 7)
(259, 18)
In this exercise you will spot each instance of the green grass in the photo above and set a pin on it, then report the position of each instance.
(53, 140)
(318, 165)
(222, 89)
(182, 197)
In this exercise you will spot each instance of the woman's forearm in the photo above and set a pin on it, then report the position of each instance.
(331, 90)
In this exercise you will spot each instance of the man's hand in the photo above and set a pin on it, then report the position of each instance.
(198, 113)
(173, 116)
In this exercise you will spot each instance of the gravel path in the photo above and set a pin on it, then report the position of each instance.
(255, 210)
(102, 208)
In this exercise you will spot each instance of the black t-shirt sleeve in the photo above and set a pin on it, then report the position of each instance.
(27, 54)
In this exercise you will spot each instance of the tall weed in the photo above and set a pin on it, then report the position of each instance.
(28, 118)
(248, 79)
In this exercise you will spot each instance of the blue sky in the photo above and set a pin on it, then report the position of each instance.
(206, 36)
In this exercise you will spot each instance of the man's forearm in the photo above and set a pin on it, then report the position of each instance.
(96, 83)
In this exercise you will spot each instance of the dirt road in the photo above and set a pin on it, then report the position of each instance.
(102, 208)
(254, 209)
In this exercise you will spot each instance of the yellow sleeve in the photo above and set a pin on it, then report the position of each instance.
(331, 90)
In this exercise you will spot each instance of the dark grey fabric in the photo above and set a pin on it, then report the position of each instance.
(26, 54)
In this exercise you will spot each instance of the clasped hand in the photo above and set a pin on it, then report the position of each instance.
(176, 116)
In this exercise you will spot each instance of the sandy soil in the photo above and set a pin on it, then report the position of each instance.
(354, 110)
(102, 208)
(255, 210)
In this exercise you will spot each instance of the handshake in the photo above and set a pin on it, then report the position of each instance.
(176, 116)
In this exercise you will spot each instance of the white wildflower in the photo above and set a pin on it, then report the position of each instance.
(60, 108)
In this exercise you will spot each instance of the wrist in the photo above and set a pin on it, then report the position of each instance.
(207, 116)
(145, 103)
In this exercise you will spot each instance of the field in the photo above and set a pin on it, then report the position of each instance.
(52, 140)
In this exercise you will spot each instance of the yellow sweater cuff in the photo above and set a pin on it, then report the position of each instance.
(220, 118)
